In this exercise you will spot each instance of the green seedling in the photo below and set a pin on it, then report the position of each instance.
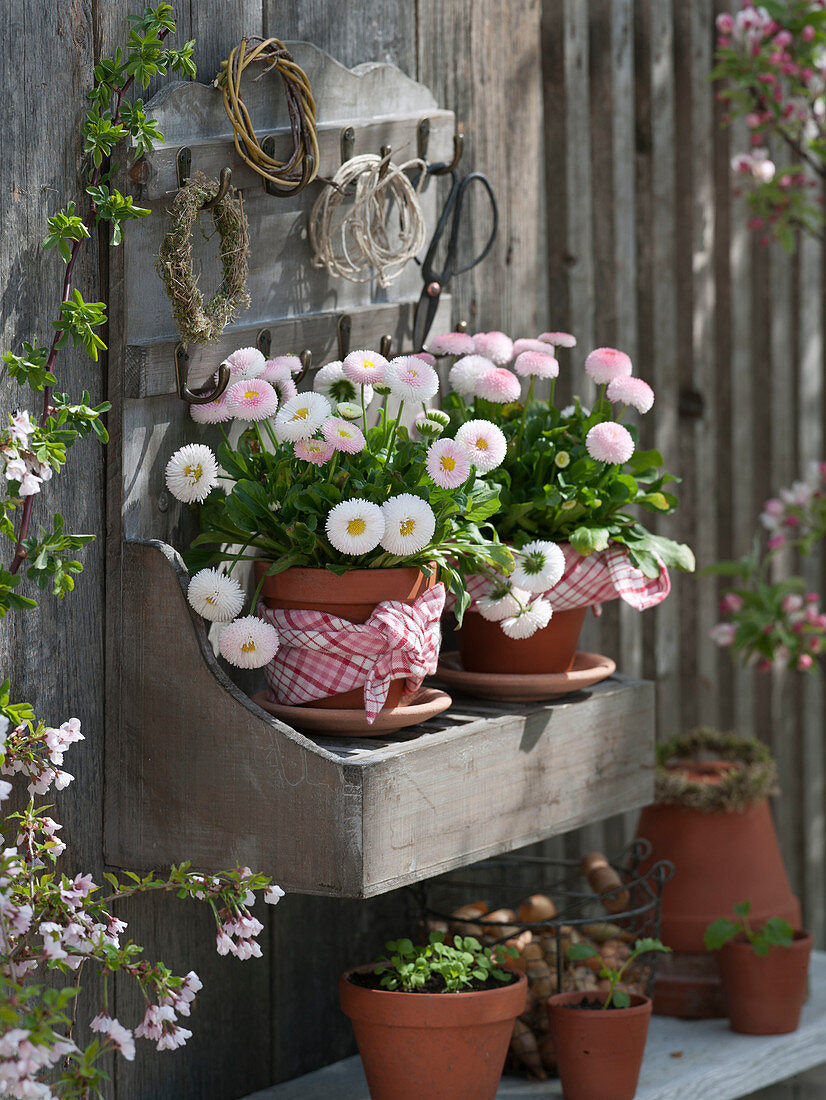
(579, 952)
(409, 967)
(776, 932)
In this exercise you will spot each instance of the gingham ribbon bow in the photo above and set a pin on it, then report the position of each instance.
(605, 575)
(321, 654)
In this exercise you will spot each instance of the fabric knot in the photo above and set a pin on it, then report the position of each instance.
(321, 654)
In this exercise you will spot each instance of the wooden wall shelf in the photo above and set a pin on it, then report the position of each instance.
(202, 773)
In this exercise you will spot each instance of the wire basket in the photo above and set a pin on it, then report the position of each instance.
(543, 945)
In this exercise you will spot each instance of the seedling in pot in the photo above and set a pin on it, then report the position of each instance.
(410, 967)
(776, 932)
(579, 952)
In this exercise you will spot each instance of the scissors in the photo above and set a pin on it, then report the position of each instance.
(436, 280)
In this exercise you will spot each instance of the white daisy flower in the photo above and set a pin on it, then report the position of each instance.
(409, 523)
(539, 566)
(192, 473)
(465, 371)
(502, 603)
(248, 642)
(245, 363)
(335, 385)
(348, 410)
(535, 617)
(252, 399)
(485, 443)
(355, 526)
(411, 379)
(364, 367)
(301, 417)
(215, 596)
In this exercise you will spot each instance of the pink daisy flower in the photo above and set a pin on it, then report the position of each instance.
(426, 357)
(485, 443)
(531, 345)
(245, 363)
(465, 371)
(536, 364)
(494, 345)
(605, 364)
(451, 343)
(365, 367)
(252, 399)
(609, 442)
(317, 451)
(558, 339)
(626, 390)
(411, 379)
(498, 385)
(214, 412)
(343, 436)
(448, 463)
(282, 366)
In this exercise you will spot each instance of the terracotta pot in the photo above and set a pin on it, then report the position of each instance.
(426, 1045)
(599, 1053)
(352, 596)
(485, 648)
(764, 995)
(719, 859)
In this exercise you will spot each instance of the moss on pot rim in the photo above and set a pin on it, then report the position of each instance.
(754, 778)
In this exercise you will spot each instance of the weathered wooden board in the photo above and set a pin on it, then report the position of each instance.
(684, 1059)
(349, 819)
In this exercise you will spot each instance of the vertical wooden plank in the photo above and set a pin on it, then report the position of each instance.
(555, 96)
(501, 107)
(358, 30)
(810, 716)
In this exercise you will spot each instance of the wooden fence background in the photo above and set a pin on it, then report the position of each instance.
(596, 121)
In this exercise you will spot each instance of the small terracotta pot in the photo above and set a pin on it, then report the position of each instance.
(353, 596)
(420, 1046)
(599, 1053)
(485, 648)
(764, 994)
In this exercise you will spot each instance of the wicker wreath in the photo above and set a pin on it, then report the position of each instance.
(197, 322)
(735, 790)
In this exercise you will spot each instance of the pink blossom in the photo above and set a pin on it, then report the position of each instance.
(152, 1024)
(526, 344)
(425, 357)
(273, 894)
(448, 463)
(723, 634)
(280, 367)
(609, 442)
(498, 385)
(764, 665)
(804, 662)
(496, 346)
(776, 542)
(213, 412)
(626, 390)
(173, 1037)
(724, 23)
(536, 364)
(791, 603)
(343, 436)
(252, 399)
(808, 33)
(731, 603)
(451, 343)
(774, 507)
(558, 339)
(813, 598)
(317, 451)
(605, 364)
(365, 367)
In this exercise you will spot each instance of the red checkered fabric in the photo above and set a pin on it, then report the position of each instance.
(606, 575)
(321, 654)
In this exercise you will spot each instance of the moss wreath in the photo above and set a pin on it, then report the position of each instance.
(199, 323)
(735, 790)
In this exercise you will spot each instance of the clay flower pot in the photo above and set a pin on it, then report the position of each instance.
(765, 994)
(599, 1052)
(353, 596)
(447, 1045)
(485, 648)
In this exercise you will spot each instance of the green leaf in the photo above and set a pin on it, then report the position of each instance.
(579, 951)
(588, 540)
(621, 999)
(719, 933)
(742, 908)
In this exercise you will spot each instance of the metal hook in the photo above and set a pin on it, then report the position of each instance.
(306, 358)
(221, 193)
(386, 153)
(386, 345)
(458, 149)
(344, 327)
(268, 146)
(194, 397)
(263, 342)
(348, 143)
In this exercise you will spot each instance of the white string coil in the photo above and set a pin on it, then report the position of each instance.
(352, 230)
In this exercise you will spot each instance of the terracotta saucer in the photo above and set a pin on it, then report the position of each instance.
(426, 703)
(589, 669)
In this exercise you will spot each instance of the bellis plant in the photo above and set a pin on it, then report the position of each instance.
(572, 474)
(332, 478)
(771, 66)
(766, 621)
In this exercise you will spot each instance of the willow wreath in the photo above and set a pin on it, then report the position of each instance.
(199, 323)
(754, 779)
